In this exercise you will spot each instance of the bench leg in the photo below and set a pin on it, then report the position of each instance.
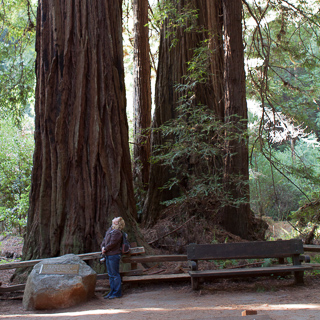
(195, 283)
(298, 275)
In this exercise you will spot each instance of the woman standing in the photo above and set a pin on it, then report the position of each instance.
(111, 248)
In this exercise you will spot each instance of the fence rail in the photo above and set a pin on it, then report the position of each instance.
(83, 256)
(311, 248)
(134, 275)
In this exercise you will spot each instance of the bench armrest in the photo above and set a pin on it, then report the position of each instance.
(305, 258)
(193, 265)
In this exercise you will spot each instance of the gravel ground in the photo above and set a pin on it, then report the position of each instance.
(178, 301)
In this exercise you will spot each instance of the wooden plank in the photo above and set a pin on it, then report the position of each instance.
(155, 258)
(125, 279)
(96, 255)
(21, 287)
(248, 271)
(157, 277)
(245, 250)
(31, 263)
(20, 264)
(315, 266)
(136, 272)
(18, 287)
(83, 256)
(311, 248)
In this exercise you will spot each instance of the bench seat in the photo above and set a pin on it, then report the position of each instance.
(249, 271)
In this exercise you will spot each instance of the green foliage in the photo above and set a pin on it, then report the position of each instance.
(282, 55)
(315, 259)
(260, 289)
(178, 16)
(283, 61)
(7, 261)
(15, 174)
(281, 178)
(194, 147)
(309, 213)
(198, 66)
(195, 144)
(282, 49)
(307, 218)
(195, 140)
(17, 56)
(267, 263)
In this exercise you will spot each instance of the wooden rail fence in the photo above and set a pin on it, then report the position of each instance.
(134, 275)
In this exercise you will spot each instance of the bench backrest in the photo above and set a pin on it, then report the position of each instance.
(245, 250)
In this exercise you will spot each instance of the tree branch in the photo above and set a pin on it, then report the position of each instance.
(301, 12)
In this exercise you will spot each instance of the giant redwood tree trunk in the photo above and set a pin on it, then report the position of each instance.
(81, 176)
(142, 94)
(171, 69)
(236, 218)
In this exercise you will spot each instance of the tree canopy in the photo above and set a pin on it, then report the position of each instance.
(17, 56)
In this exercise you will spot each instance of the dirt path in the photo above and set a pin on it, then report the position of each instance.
(273, 299)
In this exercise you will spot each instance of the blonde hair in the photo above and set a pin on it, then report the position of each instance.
(118, 223)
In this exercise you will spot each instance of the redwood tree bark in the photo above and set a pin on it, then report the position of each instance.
(171, 69)
(81, 176)
(236, 218)
(142, 94)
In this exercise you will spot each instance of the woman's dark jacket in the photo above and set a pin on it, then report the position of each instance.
(112, 242)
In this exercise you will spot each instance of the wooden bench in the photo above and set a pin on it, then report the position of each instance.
(248, 250)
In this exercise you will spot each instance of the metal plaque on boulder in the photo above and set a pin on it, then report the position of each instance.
(59, 269)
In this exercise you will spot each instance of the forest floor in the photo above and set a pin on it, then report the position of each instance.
(272, 298)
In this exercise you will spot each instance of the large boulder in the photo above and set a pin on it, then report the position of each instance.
(59, 283)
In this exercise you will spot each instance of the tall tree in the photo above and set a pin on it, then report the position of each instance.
(142, 94)
(81, 175)
(177, 47)
(236, 217)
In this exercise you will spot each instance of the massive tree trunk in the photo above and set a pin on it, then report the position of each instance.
(172, 67)
(81, 176)
(236, 218)
(142, 94)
